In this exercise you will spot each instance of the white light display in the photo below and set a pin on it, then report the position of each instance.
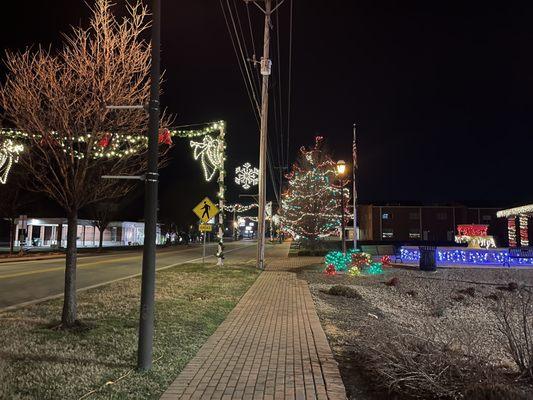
(477, 242)
(9, 153)
(246, 176)
(208, 151)
(512, 212)
(239, 208)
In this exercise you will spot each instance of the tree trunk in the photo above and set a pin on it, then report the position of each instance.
(11, 234)
(101, 243)
(70, 308)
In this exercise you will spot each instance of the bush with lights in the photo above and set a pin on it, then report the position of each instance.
(330, 270)
(354, 263)
(386, 260)
(340, 261)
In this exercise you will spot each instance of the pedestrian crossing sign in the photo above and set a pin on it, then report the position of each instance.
(205, 210)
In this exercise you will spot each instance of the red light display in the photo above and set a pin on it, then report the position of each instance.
(472, 230)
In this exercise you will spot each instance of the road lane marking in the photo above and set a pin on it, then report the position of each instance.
(81, 264)
(56, 296)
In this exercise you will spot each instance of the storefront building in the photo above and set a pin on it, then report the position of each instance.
(52, 232)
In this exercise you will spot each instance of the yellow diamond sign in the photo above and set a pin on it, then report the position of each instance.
(205, 210)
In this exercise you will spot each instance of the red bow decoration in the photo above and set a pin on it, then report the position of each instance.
(164, 137)
(47, 140)
(330, 270)
(105, 140)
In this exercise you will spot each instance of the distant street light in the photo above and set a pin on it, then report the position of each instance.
(341, 170)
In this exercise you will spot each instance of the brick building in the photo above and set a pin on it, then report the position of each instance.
(436, 223)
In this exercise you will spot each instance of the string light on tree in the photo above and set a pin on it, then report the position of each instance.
(246, 176)
(311, 203)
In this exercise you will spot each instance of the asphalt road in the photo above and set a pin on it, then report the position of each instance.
(30, 281)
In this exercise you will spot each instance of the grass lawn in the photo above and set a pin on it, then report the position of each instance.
(37, 362)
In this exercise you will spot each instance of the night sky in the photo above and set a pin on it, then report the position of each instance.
(441, 91)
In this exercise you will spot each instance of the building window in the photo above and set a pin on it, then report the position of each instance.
(387, 233)
(386, 215)
(486, 218)
(414, 215)
(414, 233)
(442, 216)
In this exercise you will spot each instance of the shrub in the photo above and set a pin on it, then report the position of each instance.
(491, 391)
(345, 291)
(515, 321)
(395, 281)
(470, 291)
(420, 368)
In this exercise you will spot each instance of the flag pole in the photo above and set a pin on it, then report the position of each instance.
(354, 148)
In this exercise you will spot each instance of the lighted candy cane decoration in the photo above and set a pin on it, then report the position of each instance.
(511, 228)
(9, 154)
(524, 237)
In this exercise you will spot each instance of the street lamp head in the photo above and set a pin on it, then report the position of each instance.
(341, 167)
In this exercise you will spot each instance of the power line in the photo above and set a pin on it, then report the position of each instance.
(290, 81)
(250, 27)
(279, 82)
(246, 55)
(251, 97)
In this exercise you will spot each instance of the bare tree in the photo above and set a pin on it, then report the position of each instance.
(58, 99)
(14, 201)
(102, 214)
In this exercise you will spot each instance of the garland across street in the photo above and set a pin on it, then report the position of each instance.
(208, 145)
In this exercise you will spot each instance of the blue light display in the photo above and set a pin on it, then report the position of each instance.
(455, 255)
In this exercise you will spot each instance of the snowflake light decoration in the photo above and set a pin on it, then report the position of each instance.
(246, 176)
(9, 153)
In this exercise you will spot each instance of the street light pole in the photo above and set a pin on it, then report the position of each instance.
(146, 322)
(341, 169)
(343, 227)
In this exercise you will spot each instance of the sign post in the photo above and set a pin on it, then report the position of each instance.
(205, 210)
(203, 251)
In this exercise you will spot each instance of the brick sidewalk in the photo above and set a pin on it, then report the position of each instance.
(271, 346)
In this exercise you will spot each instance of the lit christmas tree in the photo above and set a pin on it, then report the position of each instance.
(311, 203)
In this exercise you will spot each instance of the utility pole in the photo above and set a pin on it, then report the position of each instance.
(265, 72)
(354, 175)
(146, 323)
